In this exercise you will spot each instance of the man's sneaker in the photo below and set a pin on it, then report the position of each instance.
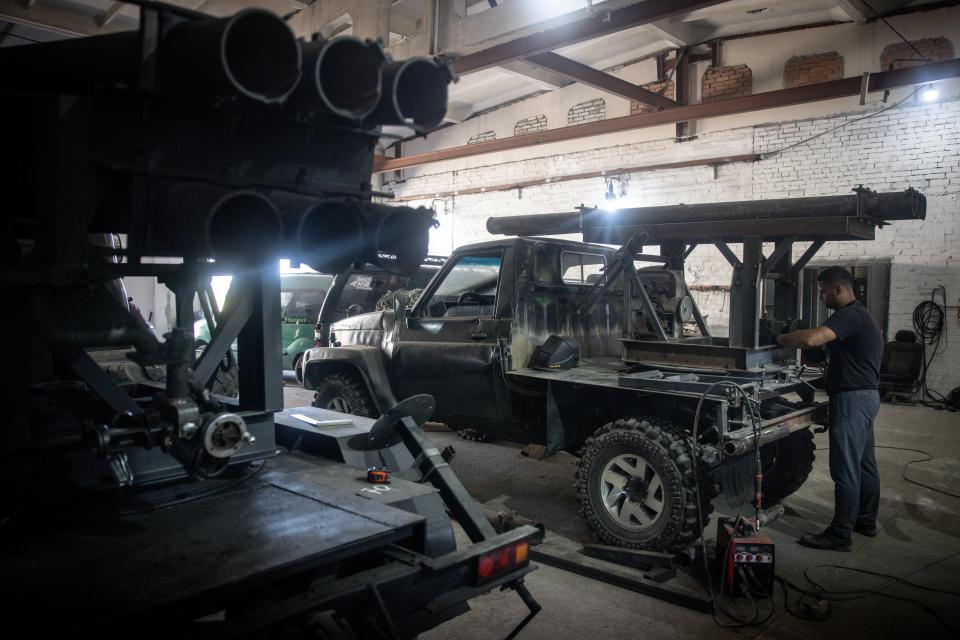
(869, 530)
(826, 541)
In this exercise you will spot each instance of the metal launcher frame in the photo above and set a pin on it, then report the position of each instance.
(219, 145)
(677, 230)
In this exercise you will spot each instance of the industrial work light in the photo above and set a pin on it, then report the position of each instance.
(929, 93)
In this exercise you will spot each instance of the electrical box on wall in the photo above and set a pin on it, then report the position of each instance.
(871, 286)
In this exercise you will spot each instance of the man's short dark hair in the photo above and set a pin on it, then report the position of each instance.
(836, 276)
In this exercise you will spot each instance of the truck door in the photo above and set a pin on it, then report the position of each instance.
(447, 346)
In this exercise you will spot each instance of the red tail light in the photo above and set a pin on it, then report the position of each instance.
(502, 560)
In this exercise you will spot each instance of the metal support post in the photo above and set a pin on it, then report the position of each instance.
(745, 296)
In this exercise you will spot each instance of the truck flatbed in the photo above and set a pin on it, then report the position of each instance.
(273, 523)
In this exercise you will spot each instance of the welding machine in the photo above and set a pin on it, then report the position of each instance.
(745, 556)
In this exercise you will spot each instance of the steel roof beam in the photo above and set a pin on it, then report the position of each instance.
(831, 90)
(600, 24)
(599, 80)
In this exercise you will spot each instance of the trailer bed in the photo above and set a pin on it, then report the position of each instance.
(257, 529)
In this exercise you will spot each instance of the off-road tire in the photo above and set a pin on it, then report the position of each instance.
(298, 368)
(787, 464)
(350, 389)
(665, 448)
(225, 381)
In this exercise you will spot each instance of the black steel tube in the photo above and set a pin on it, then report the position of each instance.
(414, 94)
(903, 205)
(743, 440)
(327, 235)
(403, 232)
(202, 221)
(252, 53)
(341, 77)
(143, 341)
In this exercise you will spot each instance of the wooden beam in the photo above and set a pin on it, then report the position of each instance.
(600, 24)
(845, 87)
(599, 80)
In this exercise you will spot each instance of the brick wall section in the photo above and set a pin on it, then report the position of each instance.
(534, 124)
(589, 111)
(664, 88)
(719, 83)
(901, 55)
(485, 136)
(819, 67)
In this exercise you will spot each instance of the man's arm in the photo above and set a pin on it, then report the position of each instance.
(807, 338)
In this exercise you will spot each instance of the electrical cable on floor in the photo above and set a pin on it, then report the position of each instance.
(820, 592)
(838, 596)
(903, 471)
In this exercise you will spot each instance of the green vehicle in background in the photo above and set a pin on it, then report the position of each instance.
(301, 297)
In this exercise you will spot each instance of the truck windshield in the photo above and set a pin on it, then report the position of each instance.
(301, 305)
(469, 288)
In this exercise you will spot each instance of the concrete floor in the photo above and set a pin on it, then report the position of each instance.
(918, 527)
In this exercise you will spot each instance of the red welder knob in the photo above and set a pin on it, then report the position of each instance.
(378, 475)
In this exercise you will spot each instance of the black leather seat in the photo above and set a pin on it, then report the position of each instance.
(902, 364)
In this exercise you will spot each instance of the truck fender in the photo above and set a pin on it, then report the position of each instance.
(366, 362)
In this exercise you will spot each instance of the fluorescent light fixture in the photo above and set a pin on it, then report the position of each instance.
(929, 93)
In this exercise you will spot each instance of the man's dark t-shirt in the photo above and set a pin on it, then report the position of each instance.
(856, 353)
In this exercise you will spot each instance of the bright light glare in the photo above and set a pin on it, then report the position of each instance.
(929, 94)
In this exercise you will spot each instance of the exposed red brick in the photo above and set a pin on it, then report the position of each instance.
(811, 69)
(901, 55)
(719, 83)
(663, 87)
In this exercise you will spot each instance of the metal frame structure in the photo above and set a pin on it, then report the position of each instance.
(678, 229)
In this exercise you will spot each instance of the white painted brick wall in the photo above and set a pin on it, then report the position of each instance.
(916, 146)
(589, 111)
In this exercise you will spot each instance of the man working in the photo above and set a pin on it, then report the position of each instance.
(855, 347)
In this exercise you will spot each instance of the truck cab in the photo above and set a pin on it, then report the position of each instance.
(479, 318)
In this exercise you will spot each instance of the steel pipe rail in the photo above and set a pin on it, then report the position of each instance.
(743, 440)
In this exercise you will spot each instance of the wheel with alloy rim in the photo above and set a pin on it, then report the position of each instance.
(346, 393)
(632, 492)
(637, 486)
